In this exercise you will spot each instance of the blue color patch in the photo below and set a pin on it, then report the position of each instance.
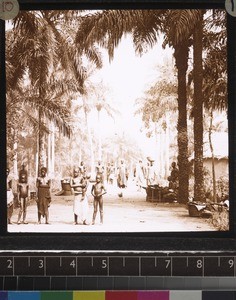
(24, 296)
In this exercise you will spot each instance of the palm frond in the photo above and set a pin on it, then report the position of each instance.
(180, 24)
(146, 32)
(106, 28)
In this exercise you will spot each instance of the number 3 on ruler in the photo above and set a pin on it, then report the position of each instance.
(40, 263)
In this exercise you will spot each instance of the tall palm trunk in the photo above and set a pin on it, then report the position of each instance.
(49, 150)
(212, 155)
(40, 142)
(181, 57)
(90, 139)
(198, 112)
(99, 136)
(53, 149)
(15, 156)
(167, 146)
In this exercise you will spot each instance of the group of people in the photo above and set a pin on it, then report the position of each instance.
(43, 199)
(144, 175)
(79, 185)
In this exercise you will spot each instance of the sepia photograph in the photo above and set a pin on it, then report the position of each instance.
(117, 121)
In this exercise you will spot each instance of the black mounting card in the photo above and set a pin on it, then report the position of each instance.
(32, 236)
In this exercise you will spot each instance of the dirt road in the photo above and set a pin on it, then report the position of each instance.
(132, 213)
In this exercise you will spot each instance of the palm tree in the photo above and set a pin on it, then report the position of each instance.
(34, 57)
(188, 22)
(155, 107)
(215, 82)
(144, 26)
(50, 51)
(198, 110)
(100, 93)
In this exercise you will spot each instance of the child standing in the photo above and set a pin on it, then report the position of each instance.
(81, 207)
(98, 190)
(23, 193)
(43, 185)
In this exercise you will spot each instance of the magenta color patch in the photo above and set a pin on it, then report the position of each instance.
(153, 295)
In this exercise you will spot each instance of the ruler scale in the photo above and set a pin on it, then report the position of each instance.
(90, 264)
(116, 271)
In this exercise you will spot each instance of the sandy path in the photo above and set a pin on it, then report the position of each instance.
(129, 214)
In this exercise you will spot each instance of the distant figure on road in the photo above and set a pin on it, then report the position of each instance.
(139, 174)
(108, 172)
(112, 174)
(79, 185)
(151, 175)
(122, 177)
(172, 190)
(174, 177)
(82, 168)
(100, 170)
(98, 190)
(23, 194)
(10, 197)
(43, 185)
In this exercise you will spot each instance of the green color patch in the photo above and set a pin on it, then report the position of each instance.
(57, 295)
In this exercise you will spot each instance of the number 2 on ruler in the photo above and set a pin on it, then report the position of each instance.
(9, 264)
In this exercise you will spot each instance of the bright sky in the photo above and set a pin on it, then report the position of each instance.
(128, 76)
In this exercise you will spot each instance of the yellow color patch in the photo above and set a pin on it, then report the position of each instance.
(89, 295)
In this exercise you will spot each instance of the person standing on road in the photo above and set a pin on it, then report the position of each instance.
(174, 177)
(79, 185)
(139, 174)
(98, 190)
(122, 177)
(100, 170)
(43, 185)
(151, 173)
(108, 172)
(23, 194)
(112, 174)
(82, 168)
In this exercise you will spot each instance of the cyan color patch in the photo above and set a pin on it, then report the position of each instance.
(23, 296)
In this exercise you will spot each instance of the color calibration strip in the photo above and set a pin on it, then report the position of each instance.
(118, 295)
